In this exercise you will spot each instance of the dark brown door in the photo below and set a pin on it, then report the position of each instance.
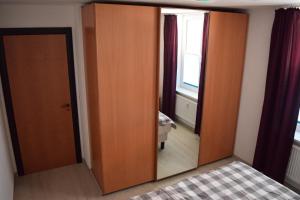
(38, 76)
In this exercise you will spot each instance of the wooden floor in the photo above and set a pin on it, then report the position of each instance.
(180, 153)
(77, 183)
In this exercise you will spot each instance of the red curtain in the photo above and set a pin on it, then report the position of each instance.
(282, 96)
(170, 65)
(202, 75)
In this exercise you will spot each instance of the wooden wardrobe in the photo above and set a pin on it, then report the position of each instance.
(223, 79)
(121, 58)
(121, 53)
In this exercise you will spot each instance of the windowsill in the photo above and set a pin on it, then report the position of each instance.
(187, 93)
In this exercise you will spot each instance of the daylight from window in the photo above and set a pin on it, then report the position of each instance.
(192, 53)
(297, 134)
(190, 38)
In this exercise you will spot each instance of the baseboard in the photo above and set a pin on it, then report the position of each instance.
(185, 122)
(242, 160)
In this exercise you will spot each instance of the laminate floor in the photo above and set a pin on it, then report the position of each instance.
(76, 182)
(180, 153)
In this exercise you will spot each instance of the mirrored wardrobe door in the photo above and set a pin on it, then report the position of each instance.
(180, 90)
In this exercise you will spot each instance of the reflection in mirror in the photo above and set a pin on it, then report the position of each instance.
(180, 90)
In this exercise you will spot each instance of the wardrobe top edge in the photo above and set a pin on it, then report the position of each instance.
(232, 10)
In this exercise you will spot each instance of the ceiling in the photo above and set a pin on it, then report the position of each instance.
(196, 3)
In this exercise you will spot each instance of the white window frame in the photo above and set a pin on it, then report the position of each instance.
(297, 133)
(182, 32)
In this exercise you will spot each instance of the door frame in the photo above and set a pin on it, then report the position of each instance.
(67, 31)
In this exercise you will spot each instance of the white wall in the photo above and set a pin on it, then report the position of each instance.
(6, 164)
(60, 15)
(254, 79)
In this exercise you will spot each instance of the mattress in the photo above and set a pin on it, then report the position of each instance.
(230, 182)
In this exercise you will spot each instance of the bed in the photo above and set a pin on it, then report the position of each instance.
(164, 127)
(230, 182)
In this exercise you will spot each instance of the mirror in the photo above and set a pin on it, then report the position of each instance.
(180, 75)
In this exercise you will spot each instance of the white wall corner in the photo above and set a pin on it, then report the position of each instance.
(81, 86)
(254, 79)
(7, 164)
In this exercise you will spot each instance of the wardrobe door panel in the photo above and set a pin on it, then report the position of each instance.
(224, 68)
(127, 53)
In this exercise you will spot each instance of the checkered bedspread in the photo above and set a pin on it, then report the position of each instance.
(233, 181)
